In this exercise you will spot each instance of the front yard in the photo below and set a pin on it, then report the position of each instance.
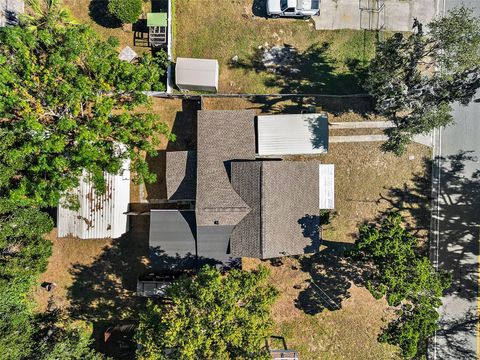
(236, 32)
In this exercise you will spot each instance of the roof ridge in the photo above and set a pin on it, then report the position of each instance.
(262, 223)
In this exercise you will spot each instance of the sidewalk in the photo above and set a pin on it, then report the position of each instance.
(398, 15)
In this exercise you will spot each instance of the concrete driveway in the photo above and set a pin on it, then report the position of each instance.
(398, 15)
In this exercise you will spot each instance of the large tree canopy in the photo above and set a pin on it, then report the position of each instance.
(405, 276)
(24, 254)
(212, 316)
(414, 79)
(67, 105)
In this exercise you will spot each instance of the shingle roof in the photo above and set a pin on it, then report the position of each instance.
(246, 236)
(287, 198)
(181, 175)
(223, 136)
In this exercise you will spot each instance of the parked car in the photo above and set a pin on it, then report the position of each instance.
(293, 8)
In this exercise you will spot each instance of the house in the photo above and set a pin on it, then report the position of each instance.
(242, 205)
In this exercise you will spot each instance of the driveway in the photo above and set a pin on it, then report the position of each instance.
(397, 15)
(456, 223)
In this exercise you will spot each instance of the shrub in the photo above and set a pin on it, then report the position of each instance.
(127, 11)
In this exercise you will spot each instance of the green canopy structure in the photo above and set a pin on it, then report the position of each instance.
(157, 19)
(157, 24)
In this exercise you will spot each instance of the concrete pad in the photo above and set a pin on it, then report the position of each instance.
(361, 125)
(426, 140)
(398, 15)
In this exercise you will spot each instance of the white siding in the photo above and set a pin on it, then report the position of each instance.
(292, 134)
(326, 186)
(99, 216)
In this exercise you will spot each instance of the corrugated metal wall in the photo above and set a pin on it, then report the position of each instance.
(99, 216)
(326, 186)
(292, 134)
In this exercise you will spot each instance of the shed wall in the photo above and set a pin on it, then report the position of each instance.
(99, 216)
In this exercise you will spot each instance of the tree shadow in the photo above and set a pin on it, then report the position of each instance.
(452, 332)
(259, 8)
(103, 292)
(412, 200)
(98, 12)
(331, 278)
(459, 209)
(303, 72)
(458, 215)
(307, 72)
(310, 225)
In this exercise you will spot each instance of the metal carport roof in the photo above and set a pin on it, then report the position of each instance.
(292, 134)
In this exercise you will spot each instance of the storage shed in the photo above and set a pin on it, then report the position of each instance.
(100, 215)
(196, 74)
(292, 134)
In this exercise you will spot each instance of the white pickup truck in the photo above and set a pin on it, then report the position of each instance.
(293, 8)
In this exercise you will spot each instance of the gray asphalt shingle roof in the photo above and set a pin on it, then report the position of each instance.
(222, 136)
(181, 175)
(283, 196)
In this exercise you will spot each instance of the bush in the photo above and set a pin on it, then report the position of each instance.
(127, 11)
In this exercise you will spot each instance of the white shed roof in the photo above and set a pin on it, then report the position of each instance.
(292, 134)
(196, 72)
(326, 186)
(99, 216)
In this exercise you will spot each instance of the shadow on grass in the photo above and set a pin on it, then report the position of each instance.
(304, 72)
(307, 72)
(103, 292)
(98, 11)
(331, 278)
(259, 8)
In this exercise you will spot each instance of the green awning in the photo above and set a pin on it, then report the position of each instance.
(157, 19)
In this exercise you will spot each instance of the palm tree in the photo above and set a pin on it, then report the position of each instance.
(46, 14)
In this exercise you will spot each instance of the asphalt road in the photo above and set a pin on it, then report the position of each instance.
(456, 223)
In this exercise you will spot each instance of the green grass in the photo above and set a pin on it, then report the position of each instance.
(224, 29)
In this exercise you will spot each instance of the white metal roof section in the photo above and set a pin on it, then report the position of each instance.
(292, 134)
(326, 186)
(99, 216)
(196, 74)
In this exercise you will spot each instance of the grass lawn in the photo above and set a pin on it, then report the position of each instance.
(95, 14)
(348, 332)
(224, 29)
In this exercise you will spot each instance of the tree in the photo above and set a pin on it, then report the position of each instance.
(127, 11)
(405, 276)
(67, 104)
(56, 337)
(211, 317)
(24, 254)
(415, 79)
(46, 14)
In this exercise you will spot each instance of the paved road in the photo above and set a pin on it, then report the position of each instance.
(458, 227)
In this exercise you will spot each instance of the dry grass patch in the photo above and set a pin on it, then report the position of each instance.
(347, 333)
